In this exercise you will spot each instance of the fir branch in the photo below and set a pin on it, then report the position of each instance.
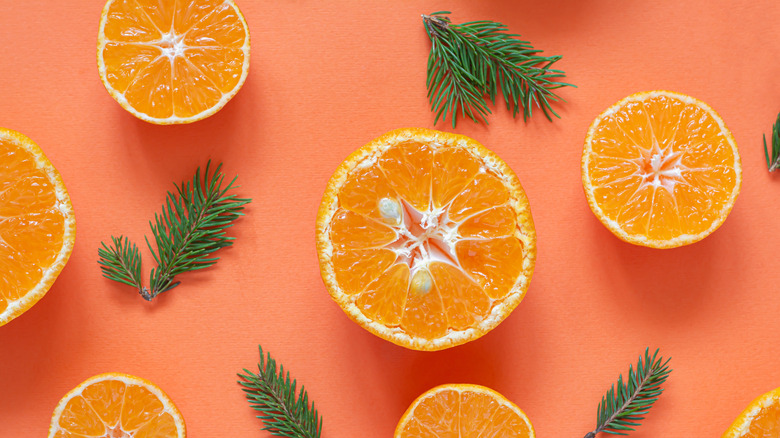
(622, 409)
(190, 228)
(775, 162)
(472, 60)
(285, 411)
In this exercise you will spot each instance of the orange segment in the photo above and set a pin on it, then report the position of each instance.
(463, 411)
(37, 225)
(761, 418)
(357, 268)
(169, 61)
(112, 405)
(466, 303)
(660, 169)
(424, 313)
(422, 235)
(385, 298)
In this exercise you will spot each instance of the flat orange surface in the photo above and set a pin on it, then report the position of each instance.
(326, 77)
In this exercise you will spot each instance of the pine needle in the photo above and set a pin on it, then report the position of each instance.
(285, 411)
(625, 405)
(190, 228)
(774, 164)
(474, 60)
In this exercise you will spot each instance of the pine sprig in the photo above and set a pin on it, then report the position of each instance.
(625, 405)
(285, 411)
(472, 60)
(774, 164)
(190, 228)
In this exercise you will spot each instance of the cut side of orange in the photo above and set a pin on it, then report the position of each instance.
(761, 419)
(660, 169)
(37, 225)
(425, 238)
(168, 61)
(115, 405)
(463, 411)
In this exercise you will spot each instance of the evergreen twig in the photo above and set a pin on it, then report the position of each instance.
(472, 60)
(625, 405)
(190, 228)
(774, 164)
(285, 411)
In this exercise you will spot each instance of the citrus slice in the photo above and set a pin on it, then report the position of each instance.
(761, 419)
(660, 169)
(168, 61)
(115, 405)
(425, 238)
(37, 225)
(463, 411)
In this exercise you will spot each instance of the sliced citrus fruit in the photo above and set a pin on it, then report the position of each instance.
(761, 419)
(37, 225)
(463, 411)
(115, 405)
(168, 61)
(425, 238)
(660, 169)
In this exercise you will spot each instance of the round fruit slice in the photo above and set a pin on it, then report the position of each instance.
(761, 419)
(115, 405)
(425, 238)
(660, 169)
(37, 225)
(463, 411)
(169, 61)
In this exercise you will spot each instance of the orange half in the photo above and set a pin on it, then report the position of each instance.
(660, 169)
(37, 224)
(115, 405)
(168, 61)
(761, 419)
(425, 238)
(463, 411)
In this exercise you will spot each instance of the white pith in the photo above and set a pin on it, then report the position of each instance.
(423, 237)
(171, 45)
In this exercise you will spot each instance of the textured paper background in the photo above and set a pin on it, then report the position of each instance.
(326, 77)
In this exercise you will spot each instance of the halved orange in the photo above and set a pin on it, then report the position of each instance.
(37, 225)
(463, 411)
(761, 419)
(168, 61)
(660, 169)
(425, 238)
(115, 405)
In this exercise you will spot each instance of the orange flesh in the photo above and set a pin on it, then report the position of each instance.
(661, 168)
(766, 423)
(114, 409)
(425, 239)
(173, 59)
(31, 225)
(464, 414)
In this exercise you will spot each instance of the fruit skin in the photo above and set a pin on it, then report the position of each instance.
(173, 119)
(460, 387)
(32, 297)
(742, 422)
(644, 241)
(127, 378)
(329, 206)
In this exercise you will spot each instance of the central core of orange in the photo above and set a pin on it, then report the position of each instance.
(422, 237)
(172, 45)
(661, 167)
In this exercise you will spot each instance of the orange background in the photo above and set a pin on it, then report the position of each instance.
(326, 77)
